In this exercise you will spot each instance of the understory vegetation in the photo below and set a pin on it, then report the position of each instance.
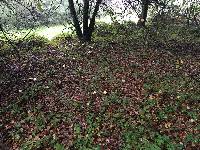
(130, 88)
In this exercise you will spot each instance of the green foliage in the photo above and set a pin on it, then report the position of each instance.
(136, 138)
(6, 49)
(110, 32)
(40, 122)
(62, 40)
(31, 92)
(34, 43)
(39, 143)
(59, 147)
(85, 141)
(112, 94)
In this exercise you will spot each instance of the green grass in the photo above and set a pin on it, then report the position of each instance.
(43, 31)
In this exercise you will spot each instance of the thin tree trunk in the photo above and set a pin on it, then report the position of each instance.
(196, 20)
(75, 19)
(143, 17)
(86, 35)
(92, 20)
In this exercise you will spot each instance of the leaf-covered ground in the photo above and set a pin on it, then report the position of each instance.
(103, 95)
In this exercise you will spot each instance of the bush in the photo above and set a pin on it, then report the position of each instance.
(62, 39)
(33, 41)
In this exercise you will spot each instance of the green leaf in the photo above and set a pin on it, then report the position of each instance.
(59, 146)
(39, 6)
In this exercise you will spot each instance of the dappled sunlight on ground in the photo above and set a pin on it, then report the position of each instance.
(44, 31)
(51, 32)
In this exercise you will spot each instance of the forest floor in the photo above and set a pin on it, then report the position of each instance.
(102, 95)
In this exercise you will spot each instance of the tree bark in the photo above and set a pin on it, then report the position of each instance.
(143, 17)
(75, 19)
(85, 20)
(86, 34)
(92, 20)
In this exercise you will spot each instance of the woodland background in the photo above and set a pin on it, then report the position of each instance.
(97, 74)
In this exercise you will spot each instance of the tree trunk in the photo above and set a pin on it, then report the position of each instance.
(196, 20)
(75, 19)
(86, 36)
(143, 17)
(92, 20)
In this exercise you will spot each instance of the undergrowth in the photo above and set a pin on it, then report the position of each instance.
(125, 90)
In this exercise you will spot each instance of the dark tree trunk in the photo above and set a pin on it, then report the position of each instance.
(195, 20)
(143, 17)
(188, 16)
(75, 19)
(86, 36)
(92, 20)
